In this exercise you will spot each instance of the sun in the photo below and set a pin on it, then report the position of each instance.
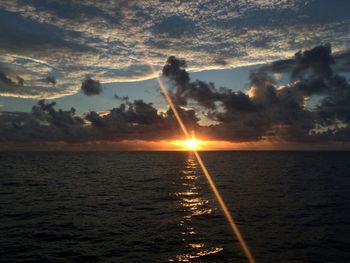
(191, 144)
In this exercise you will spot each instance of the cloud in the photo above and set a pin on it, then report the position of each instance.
(8, 80)
(123, 98)
(108, 40)
(175, 26)
(44, 123)
(91, 87)
(50, 79)
(19, 82)
(132, 120)
(272, 109)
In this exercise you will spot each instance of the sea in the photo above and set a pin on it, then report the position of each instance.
(159, 207)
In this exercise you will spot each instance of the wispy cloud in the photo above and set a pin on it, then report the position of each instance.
(70, 41)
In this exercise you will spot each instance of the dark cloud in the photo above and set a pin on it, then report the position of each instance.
(139, 120)
(24, 35)
(69, 10)
(9, 78)
(44, 123)
(313, 63)
(203, 93)
(272, 109)
(16, 82)
(318, 60)
(342, 61)
(132, 120)
(91, 87)
(175, 70)
(314, 73)
(122, 98)
(335, 106)
(175, 26)
(50, 79)
(138, 113)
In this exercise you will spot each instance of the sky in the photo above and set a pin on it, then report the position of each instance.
(252, 74)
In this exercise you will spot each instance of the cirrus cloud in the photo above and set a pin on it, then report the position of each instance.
(108, 40)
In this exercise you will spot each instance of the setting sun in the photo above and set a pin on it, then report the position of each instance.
(191, 144)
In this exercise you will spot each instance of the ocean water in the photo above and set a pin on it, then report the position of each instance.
(157, 207)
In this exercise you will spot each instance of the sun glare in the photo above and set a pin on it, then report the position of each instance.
(192, 144)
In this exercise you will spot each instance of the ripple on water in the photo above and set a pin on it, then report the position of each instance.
(192, 204)
(155, 207)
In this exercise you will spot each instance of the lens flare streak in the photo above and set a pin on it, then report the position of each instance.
(188, 137)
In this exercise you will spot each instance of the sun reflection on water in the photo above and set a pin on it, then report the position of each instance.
(193, 204)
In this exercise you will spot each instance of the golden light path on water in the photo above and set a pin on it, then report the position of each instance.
(192, 202)
(139, 43)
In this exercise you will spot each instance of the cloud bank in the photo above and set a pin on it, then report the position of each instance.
(310, 106)
(69, 41)
(271, 109)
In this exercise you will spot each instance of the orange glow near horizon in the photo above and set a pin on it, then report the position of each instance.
(200, 145)
(188, 145)
(179, 144)
(192, 144)
(176, 145)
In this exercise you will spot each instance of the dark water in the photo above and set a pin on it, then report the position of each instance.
(157, 207)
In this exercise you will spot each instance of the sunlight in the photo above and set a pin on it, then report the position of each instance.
(192, 144)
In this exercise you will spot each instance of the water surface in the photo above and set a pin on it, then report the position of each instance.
(157, 207)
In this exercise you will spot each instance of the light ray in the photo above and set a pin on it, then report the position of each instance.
(224, 208)
(167, 97)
